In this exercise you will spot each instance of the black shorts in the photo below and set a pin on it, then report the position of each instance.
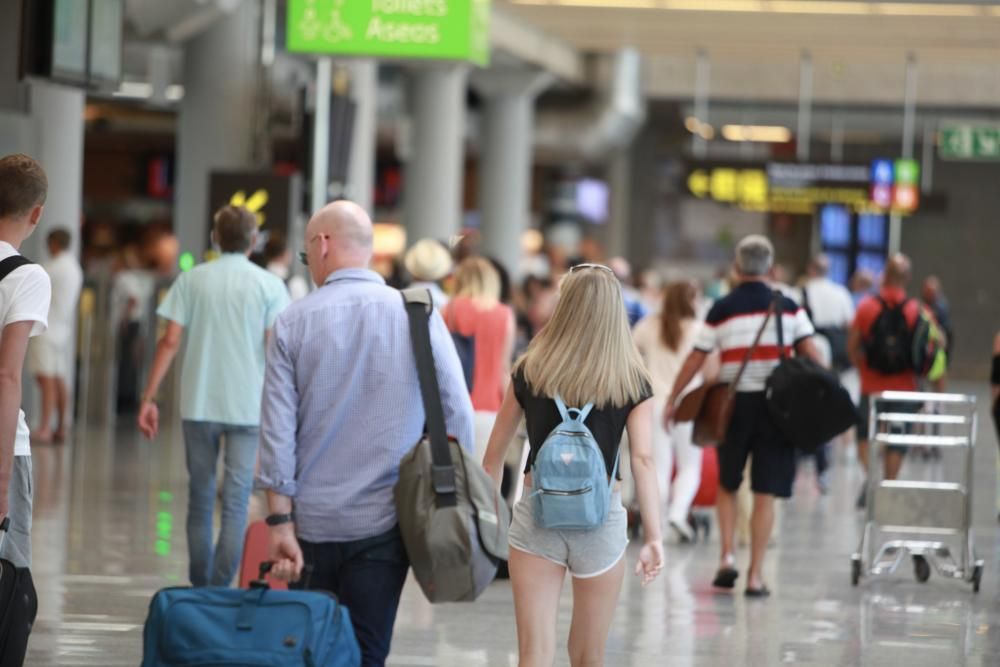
(753, 434)
(864, 408)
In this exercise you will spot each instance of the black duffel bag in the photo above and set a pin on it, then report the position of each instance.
(807, 402)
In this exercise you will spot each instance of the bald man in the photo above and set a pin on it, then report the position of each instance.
(341, 408)
(873, 314)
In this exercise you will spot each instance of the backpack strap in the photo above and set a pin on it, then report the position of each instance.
(778, 305)
(419, 305)
(11, 264)
(566, 413)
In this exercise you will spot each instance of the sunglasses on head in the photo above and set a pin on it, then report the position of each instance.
(573, 269)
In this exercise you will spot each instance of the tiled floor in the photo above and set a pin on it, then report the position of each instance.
(109, 531)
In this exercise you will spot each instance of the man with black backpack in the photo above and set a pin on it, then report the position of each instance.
(881, 341)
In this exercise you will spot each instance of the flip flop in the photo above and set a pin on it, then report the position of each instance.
(761, 592)
(725, 577)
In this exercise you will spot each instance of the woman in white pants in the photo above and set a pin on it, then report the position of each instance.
(664, 339)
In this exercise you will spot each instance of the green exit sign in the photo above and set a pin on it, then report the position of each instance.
(969, 142)
(455, 30)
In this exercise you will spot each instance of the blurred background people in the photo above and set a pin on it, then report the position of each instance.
(831, 309)
(429, 262)
(278, 260)
(665, 340)
(484, 331)
(51, 354)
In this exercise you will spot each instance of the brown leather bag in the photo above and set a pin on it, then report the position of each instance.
(710, 406)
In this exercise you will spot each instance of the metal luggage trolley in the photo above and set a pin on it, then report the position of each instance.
(922, 515)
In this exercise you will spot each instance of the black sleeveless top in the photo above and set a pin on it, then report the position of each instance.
(542, 416)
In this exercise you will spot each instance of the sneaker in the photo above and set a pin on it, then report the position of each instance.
(823, 483)
(683, 531)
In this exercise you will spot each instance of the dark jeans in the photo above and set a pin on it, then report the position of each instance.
(367, 576)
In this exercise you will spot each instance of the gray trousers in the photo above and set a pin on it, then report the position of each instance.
(16, 546)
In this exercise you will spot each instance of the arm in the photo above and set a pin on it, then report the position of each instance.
(806, 348)
(13, 346)
(504, 430)
(166, 350)
(508, 350)
(854, 347)
(277, 460)
(644, 472)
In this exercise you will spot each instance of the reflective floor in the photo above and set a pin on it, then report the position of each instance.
(109, 531)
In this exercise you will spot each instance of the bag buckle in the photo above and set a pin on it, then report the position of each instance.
(443, 479)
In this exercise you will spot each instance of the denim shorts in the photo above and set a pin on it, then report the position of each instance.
(585, 553)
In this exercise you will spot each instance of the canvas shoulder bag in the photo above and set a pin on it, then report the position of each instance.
(452, 517)
(710, 406)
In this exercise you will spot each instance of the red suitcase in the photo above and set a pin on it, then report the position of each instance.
(255, 550)
(708, 491)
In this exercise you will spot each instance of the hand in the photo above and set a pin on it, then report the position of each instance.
(285, 553)
(149, 419)
(650, 561)
(668, 414)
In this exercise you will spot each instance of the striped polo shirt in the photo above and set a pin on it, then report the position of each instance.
(733, 323)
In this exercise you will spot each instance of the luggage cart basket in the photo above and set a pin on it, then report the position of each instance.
(927, 518)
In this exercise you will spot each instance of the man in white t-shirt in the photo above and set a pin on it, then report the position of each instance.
(24, 307)
(831, 309)
(50, 355)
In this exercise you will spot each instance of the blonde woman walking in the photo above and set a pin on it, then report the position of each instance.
(585, 355)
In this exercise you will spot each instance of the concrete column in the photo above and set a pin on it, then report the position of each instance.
(57, 120)
(361, 170)
(505, 159)
(216, 122)
(620, 214)
(432, 194)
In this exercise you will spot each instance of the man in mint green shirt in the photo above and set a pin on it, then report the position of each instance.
(227, 308)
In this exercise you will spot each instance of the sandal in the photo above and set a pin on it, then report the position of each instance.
(725, 577)
(761, 592)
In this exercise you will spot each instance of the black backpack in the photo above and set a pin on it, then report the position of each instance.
(889, 346)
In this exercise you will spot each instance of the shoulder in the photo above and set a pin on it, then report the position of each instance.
(790, 305)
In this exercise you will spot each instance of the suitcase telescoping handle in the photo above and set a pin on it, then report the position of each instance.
(265, 568)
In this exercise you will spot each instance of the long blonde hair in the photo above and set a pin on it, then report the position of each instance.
(476, 278)
(586, 354)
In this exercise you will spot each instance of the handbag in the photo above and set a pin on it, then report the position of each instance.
(710, 406)
(452, 517)
(807, 402)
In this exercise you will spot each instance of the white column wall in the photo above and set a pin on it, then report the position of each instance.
(432, 190)
(361, 171)
(216, 121)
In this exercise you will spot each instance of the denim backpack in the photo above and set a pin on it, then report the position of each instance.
(571, 488)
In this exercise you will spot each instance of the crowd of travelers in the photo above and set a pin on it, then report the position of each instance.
(328, 402)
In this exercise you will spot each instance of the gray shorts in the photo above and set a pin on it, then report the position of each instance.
(585, 553)
(17, 544)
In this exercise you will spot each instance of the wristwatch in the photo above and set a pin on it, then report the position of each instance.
(278, 519)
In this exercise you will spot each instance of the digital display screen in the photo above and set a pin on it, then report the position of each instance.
(69, 40)
(873, 261)
(871, 231)
(835, 226)
(106, 21)
(839, 267)
(592, 200)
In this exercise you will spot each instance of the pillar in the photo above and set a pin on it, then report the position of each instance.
(620, 214)
(215, 128)
(361, 170)
(432, 194)
(505, 159)
(57, 124)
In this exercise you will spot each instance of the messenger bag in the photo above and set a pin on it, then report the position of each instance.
(452, 517)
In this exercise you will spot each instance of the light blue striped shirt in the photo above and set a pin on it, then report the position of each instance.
(342, 406)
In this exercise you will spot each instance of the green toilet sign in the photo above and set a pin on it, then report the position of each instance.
(430, 29)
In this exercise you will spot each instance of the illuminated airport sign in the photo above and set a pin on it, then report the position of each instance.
(780, 187)
(968, 141)
(426, 29)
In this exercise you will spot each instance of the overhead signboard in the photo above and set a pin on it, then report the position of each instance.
(967, 141)
(780, 187)
(426, 29)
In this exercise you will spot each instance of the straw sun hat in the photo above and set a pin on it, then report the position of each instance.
(428, 260)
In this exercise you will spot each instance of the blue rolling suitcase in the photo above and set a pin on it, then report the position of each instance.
(230, 627)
